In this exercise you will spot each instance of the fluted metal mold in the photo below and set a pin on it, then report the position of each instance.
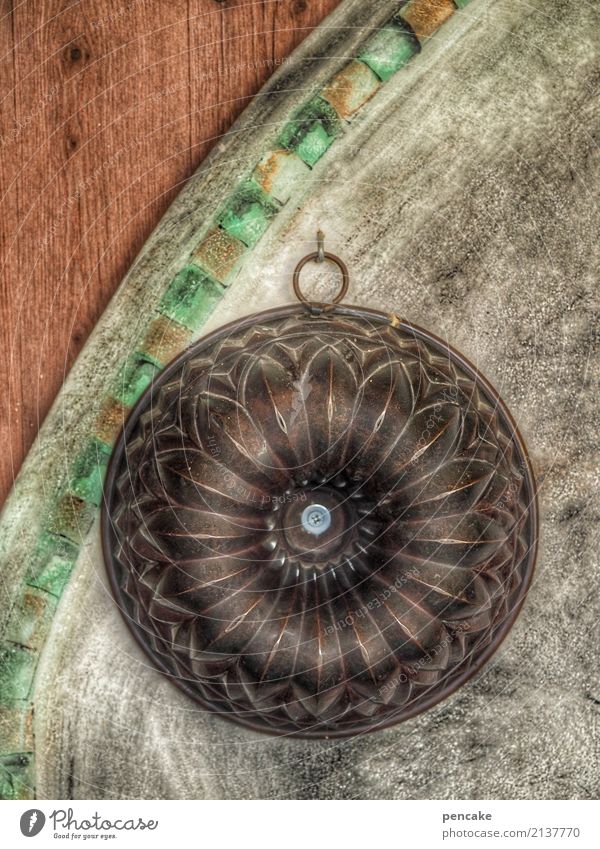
(426, 483)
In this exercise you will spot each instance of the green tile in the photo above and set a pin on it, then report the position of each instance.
(461, 3)
(18, 668)
(89, 470)
(52, 563)
(314, 144)
(312, 131)
(248, 213)
(191, 297)
(17, 779)
(388, 50)
(134, 377)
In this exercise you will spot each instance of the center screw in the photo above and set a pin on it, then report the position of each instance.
(316, 519)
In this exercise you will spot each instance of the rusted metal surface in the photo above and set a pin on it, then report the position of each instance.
(319, 256)
(426, 16)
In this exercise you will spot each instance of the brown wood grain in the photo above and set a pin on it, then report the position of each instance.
(106, 109)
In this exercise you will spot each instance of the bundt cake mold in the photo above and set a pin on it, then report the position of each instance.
(320, 525)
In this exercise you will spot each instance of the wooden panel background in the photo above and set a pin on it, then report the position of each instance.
(106, 110)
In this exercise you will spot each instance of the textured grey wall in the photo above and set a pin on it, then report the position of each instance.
(465, 199)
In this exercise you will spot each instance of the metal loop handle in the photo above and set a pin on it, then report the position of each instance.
(319, 256)
(321, 246)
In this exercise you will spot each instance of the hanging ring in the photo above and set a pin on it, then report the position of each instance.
(319, 256)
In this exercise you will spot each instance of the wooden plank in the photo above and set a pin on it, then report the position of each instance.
(10, 150)
(106, 111)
